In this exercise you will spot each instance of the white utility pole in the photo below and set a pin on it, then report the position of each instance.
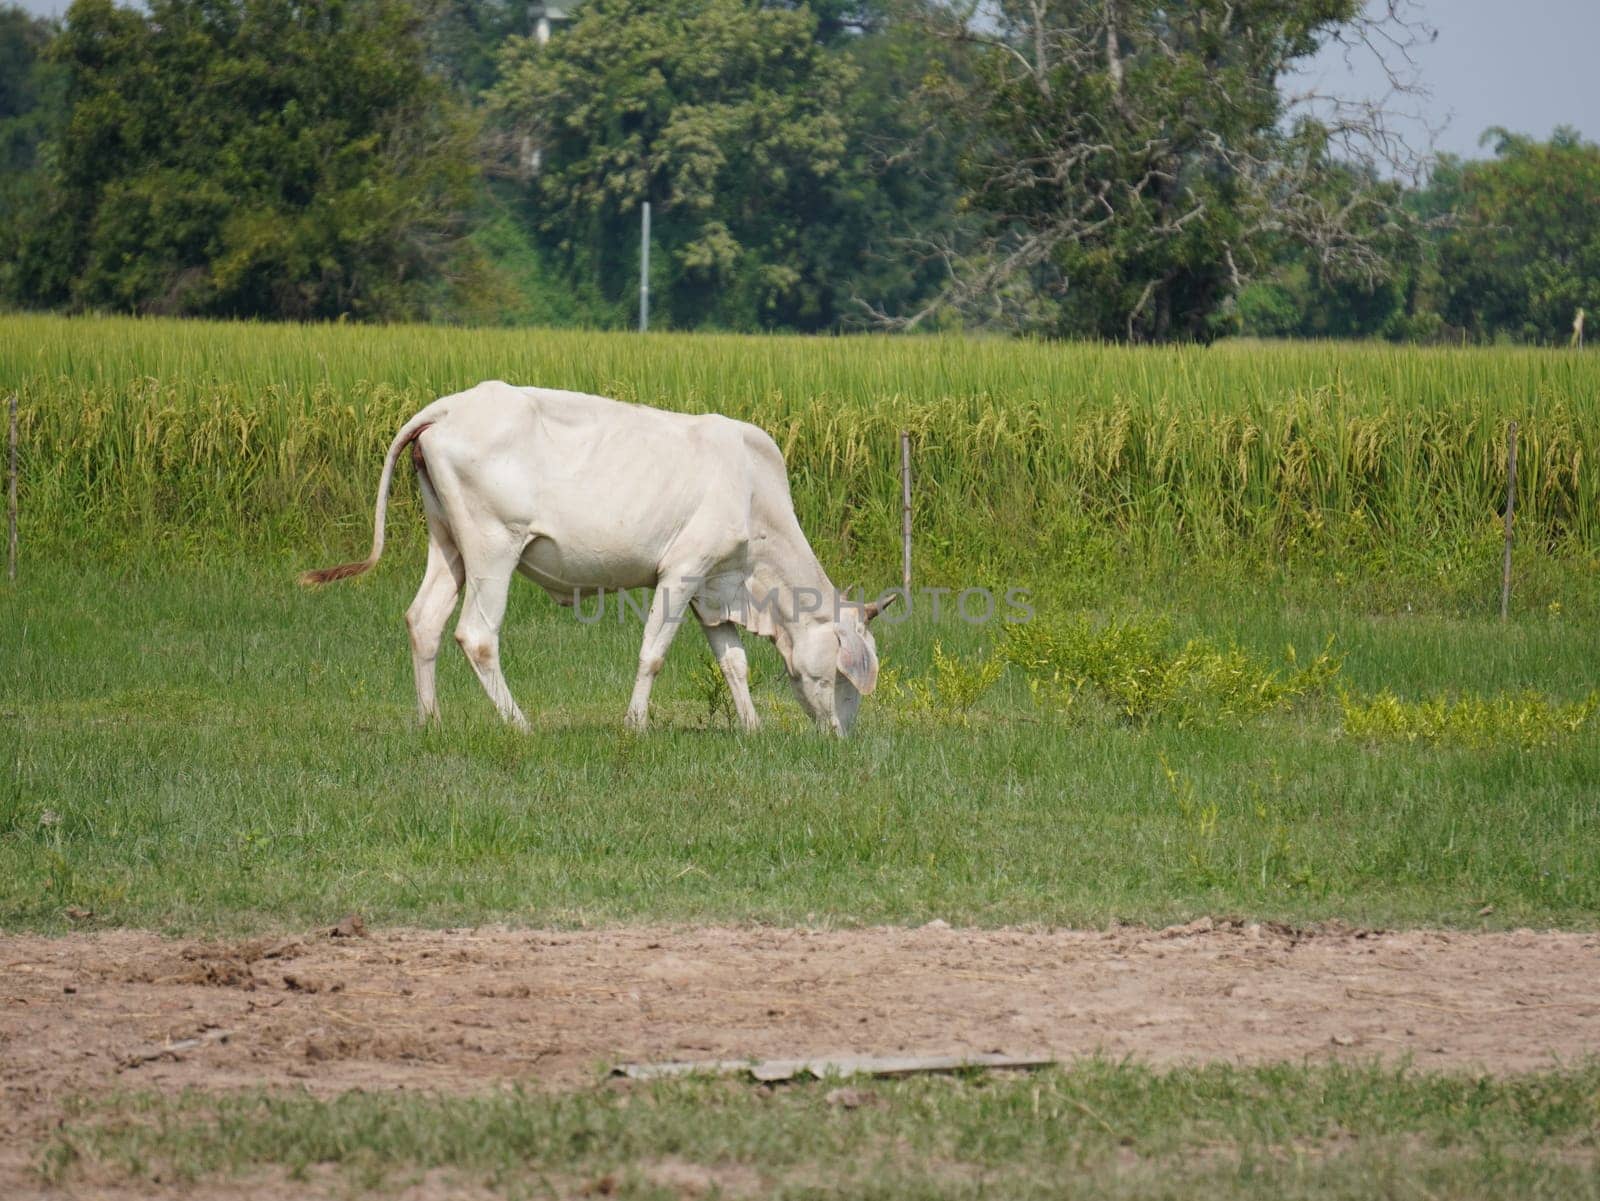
(644, 269)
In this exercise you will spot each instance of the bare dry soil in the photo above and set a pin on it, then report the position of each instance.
(464, 1010)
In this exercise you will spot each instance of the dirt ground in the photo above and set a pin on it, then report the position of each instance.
(467, 1009)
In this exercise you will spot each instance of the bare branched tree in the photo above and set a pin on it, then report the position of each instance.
(1134, 162)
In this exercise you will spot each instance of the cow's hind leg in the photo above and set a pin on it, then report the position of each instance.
(488, 581)
(430, 612)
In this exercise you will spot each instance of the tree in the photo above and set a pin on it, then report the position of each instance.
(32, 106)
(729, 117)
(1303, 293)
(271, 158)
(897, 197)
(1524, 253)
(1136, 161)
(30, 91)
(465, 38)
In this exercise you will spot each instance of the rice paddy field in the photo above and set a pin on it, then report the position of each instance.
(1265, 683)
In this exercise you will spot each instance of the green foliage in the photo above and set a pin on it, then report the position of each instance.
(1132, 666)
(1269, 309)
(1133, 157)
(526, 287)
(723, 113)
(1369, 292)
(249, 158)
(32, 108)
(1524, 254)
(1525, 719)
(950, 691)
(30, 88)
(898, 191)
(821, 166)
(1301, 298)
(464, 38)
(759, 134)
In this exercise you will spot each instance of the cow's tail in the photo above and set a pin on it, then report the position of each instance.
(409, 432)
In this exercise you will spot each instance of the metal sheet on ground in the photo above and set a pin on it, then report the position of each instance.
(772, 1070)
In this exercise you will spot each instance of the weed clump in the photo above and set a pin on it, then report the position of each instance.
(711, 687)
(1523, 719)
(951, 691)
(1133, 667)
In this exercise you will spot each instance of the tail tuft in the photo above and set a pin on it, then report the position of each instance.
(327, 575)
(409, 432)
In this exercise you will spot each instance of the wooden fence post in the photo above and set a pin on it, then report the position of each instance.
(905, 513)
(1511, 503)
(11, 498)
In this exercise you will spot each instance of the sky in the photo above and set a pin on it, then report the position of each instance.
(1528, 65)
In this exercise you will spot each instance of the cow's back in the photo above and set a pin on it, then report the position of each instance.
(601, 490)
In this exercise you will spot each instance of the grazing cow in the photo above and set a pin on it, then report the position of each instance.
(584, 495)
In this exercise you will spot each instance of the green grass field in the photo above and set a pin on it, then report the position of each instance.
(191, 743)
(217, 749)
(1099, 1129)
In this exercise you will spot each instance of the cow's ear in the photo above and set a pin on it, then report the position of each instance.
(857, 663)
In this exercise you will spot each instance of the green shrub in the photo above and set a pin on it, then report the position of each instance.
(1522, 719)
(950, 693)
(1132, 666)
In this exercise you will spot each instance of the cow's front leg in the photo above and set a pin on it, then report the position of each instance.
(729, 650)
(667, 608)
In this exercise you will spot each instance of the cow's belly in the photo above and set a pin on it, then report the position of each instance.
(565, 567)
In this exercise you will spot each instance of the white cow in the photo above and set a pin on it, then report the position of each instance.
(583, 494)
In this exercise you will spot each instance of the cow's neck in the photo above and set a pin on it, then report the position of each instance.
(786, 569)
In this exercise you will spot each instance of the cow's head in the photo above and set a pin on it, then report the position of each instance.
(834, 663)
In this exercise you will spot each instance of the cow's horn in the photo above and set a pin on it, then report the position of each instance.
(875, 607)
